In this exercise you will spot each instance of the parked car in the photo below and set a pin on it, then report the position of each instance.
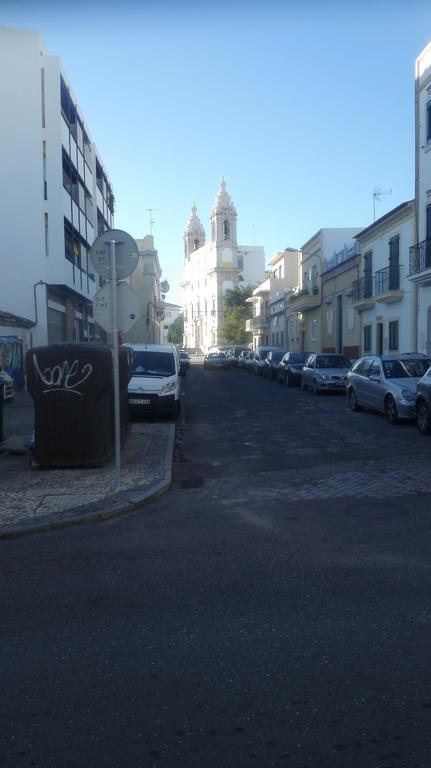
(241, 358)
(325, 371)
(290, 368)
(271, 363)
(423, 404)
(155, 384)
(259, 358)
(248, 363)
(235, 354)
(386, 383)
(215, 360)
(184, 360)
(6, 382)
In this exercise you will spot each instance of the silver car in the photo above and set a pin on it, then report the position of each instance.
(423, 404)
(386, 383)
(325, 372)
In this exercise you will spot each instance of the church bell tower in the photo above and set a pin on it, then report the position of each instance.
(223, 219)
(194, 234)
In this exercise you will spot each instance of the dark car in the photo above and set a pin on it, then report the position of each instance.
(290, 368)
(423, 404)
(272, 361)
(215, 360)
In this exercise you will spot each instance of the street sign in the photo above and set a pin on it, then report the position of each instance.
(126, 254)
(129, 307)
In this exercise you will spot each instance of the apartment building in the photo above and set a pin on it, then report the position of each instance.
(146, 282)
(420, 252)
(382, 294)
(268, 323)
(56, 198)
(304, 304)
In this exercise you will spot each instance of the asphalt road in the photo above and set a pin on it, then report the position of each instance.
(272, 610)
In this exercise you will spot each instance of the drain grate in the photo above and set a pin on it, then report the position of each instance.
(192, 482)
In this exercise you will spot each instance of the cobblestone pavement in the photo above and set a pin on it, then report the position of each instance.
(30, 495)
(376, 479)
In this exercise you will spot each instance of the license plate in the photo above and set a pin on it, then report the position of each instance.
(135, 401)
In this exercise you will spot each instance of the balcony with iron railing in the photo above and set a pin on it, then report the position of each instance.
(387, 284)
(304, 300)
(363, 293)
(257, 322)
(420, 262)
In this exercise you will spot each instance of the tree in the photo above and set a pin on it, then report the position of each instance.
(236, 297)
(176, 330)
(237, 311)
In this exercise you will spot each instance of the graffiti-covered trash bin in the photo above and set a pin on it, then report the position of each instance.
(73, 391)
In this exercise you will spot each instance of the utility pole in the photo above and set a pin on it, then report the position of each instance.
(377, 193)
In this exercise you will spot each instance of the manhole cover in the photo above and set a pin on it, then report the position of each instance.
(192, 482)
(377, 510)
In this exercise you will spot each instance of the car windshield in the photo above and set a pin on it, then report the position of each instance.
(296, 358)
(405, 369)
(276, 357)
(146, 363)
(217, 355)
(332, 361)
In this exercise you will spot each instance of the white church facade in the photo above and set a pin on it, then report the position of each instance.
(210, 269)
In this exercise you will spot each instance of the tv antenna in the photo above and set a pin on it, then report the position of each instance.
(152, 221)
(377, 193)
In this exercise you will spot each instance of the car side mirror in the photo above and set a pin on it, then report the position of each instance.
(374, 377)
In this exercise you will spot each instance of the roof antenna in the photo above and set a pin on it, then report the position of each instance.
(377, 193)
(152, 221)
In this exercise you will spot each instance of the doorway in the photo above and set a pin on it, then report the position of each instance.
(379, 338)
(340, 324)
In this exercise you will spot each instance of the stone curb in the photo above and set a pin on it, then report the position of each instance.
(130, 500)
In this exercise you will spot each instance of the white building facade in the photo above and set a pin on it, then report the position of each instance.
(382, 294)
(269, 322)
(56, 198)
(420, 252)
(210, 269)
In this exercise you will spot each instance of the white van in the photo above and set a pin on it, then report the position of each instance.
(155, 384)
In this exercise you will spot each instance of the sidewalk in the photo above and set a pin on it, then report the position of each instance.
(36, 500)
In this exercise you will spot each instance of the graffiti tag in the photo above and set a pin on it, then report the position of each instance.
(66, 377)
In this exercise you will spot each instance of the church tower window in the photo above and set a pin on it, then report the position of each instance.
(226, 229)
(196, 244)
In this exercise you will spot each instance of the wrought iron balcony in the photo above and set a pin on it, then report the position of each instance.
(388, 279)
(305, 299)
(420, 257)
(363, 289)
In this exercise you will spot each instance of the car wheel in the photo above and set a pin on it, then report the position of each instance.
(423, 418)
(316, 390)
(303, 385)
(288, 381)
(353, 401)
(391, 410)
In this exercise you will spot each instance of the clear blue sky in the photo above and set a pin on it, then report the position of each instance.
(305, 107)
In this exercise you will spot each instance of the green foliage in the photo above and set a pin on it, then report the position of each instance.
(176, 331)
(237, 311)
(236, 297)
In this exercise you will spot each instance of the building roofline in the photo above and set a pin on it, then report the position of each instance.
(384, 218)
